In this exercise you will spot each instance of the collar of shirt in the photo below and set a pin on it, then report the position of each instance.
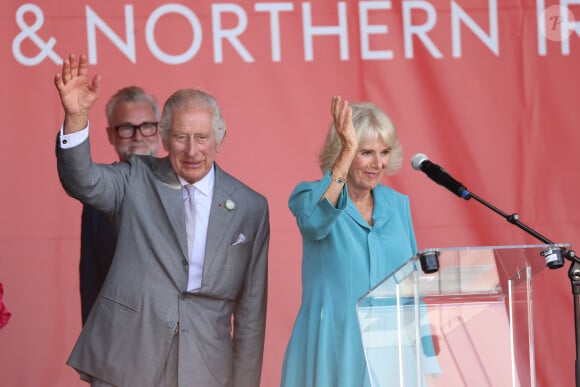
(204, 186)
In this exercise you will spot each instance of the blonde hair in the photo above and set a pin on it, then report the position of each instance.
(370, 122)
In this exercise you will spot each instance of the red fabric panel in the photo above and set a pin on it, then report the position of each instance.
(502, 120)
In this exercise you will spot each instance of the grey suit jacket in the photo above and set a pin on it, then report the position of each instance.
(143, 307)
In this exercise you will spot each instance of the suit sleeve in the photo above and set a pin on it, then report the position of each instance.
(99, 185)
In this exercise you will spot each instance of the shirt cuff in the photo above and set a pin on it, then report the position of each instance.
(71, 140)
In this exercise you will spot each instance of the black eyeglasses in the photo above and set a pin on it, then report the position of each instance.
(147, 129)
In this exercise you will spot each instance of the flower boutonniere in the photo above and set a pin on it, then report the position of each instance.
(230, 205)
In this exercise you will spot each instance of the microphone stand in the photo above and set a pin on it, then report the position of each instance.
(558, 253)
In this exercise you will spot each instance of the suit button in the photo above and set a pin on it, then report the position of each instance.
(171, 324)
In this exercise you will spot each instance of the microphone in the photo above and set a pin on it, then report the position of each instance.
(439, 175)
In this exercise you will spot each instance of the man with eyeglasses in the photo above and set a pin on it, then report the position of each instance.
(184, 303)
(132, 129)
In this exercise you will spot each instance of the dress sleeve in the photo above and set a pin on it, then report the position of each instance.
(314, 214)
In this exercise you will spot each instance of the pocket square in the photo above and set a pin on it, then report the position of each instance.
(241, 240)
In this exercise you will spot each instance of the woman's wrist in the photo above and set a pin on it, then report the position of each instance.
(335, 177)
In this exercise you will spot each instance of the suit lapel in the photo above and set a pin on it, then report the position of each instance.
(171, 197)
(220, 221)
(220, 218)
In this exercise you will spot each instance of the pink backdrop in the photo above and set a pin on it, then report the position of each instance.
(478, 85)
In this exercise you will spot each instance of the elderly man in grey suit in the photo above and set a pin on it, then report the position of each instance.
(184, 303)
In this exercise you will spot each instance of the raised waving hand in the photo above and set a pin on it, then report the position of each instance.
(77, 93)
(342, 116)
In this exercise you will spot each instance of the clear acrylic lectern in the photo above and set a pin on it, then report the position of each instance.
(468, 324)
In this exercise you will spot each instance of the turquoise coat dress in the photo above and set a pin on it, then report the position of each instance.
(343, 258)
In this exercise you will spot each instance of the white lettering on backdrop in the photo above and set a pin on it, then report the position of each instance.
(373, 30)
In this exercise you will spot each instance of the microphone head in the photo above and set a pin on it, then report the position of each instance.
(417, 160)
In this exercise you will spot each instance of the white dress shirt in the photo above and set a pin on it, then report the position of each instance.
(71, 140)
(203, 195)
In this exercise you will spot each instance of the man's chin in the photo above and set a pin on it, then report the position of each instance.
(140, 151)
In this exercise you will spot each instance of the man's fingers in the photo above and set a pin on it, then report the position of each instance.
(74, 66)
(82, 66)
(96, 84)
(66, 76)
(58, 81)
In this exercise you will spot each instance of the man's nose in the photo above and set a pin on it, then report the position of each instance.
(191, 147)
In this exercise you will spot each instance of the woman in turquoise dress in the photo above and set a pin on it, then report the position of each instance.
(355, 232)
